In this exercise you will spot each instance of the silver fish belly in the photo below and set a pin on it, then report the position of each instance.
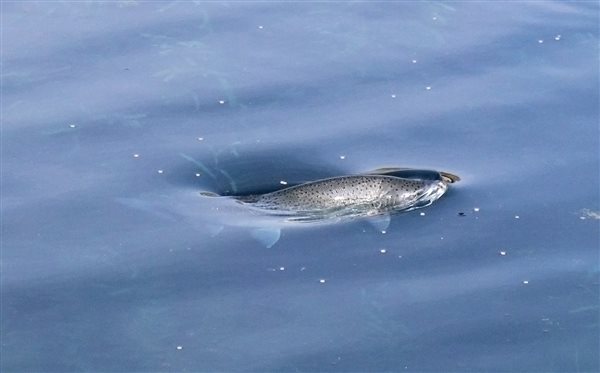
(360, 195)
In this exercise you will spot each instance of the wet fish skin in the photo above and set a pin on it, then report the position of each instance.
(351, 195)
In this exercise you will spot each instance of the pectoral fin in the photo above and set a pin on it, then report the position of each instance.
(380, 222)
(266, 236)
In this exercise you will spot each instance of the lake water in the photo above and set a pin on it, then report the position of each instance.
(116, 114)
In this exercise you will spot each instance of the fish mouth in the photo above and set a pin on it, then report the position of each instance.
(449, 178)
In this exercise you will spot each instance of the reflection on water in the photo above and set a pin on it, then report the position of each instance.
(116, 115)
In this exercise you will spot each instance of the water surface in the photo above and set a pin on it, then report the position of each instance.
(112, 261)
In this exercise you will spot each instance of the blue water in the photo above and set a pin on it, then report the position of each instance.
(112, 261)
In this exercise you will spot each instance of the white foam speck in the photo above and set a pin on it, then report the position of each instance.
(136, 155)
(517, 217)
(393, 96)
(476, 209)
(525, 282)
(503, 253)
(160, 171)
(383, 251)
(342, 157)
(282, 268)
(283, 182)
(322, 280)
(428, 88)
(414, 61)
(383, 232)
(200, 139)
(422, 214)
(582, 217)
(434, 18)
(197, 174)
(180, 347)
(540, 41)
(557, 37)
(221, 102)
(72, 125)
(260, 27)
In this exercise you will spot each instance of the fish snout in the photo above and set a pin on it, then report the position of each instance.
(449, 178)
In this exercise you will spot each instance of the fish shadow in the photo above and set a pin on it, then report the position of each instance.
(237, 171)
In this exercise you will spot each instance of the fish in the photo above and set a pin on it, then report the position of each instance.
(382, 191)
(373, 195)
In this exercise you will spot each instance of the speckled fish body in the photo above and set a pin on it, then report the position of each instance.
(359, 195)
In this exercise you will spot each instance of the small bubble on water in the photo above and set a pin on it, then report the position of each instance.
(557, 37)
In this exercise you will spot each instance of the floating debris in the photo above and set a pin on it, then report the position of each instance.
(587, 213)
(461, 214)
